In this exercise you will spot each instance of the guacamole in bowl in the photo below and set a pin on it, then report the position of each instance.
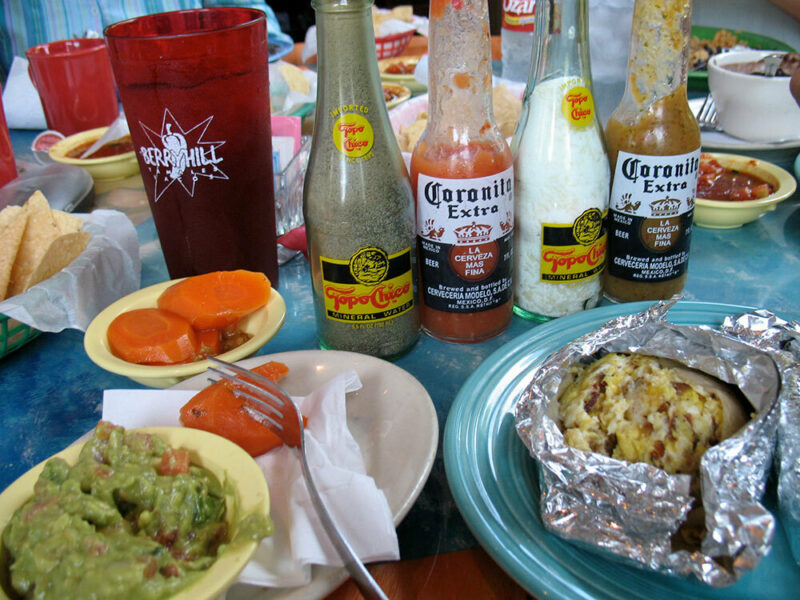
(142, 514)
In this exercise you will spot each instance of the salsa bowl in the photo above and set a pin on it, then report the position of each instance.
(394, 94)
(246, 493)
(405, 66)
(729, 214)
(106, 168)
(262, 325)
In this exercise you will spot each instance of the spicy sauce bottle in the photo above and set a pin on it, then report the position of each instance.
(357, 200)
(463, 180)
(654, 148)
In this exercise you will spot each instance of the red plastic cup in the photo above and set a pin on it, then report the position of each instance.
(8, 166)
(195, 88)
(75, 84)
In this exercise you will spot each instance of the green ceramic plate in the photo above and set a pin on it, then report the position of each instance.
(698, 80)
(495, 483)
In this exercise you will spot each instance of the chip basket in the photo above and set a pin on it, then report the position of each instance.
(14, 334)
(393, 45)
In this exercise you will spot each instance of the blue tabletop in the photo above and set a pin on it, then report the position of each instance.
(52, 392)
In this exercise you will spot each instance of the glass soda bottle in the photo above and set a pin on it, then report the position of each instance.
(357, 201)
(463, 178)
(654, 148)
(561, 173)
(516, 38)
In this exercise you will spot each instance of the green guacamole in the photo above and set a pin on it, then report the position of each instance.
(118, 523)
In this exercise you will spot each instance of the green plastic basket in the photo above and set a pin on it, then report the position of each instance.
(14, 335)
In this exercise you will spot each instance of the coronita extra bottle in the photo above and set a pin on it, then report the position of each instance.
(357, 201)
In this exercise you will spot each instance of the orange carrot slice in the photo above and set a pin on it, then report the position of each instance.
(210, 342)
(218, 410)
(216, 300)
(152, 336)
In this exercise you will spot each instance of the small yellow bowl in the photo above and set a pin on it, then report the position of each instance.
(400, 93)
(729, 214)
(262, 324)
(108, 168)
(406, 79)
(225, 459)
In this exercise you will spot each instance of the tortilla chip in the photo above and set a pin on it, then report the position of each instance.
(507, 108)
(404, 12)
(40, 232)
(61, 252)
(295, 79)
(410, 134)
(67, 222)
(12, 227)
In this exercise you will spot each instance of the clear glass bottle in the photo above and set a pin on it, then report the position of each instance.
(561, 173)
(654, 147)
(357, 201)
(462, 176)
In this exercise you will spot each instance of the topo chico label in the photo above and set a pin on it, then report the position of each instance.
(577, 106)
(519, 15)
(371, 286)
(465, 231)
(574, 251)
(352, 132)
(650, 216)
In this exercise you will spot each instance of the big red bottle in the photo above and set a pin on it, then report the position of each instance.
(463, 180)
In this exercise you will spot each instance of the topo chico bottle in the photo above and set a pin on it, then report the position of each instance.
(357, 201)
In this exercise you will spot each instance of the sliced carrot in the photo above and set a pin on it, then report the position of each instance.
(152, 336)
(218, 410)
(272, 370)
(216, 300)
(210, 342)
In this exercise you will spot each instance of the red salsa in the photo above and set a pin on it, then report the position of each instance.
(716, 182)
(112, 148)
(401, 68)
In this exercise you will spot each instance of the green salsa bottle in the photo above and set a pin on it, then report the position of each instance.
(357, 201)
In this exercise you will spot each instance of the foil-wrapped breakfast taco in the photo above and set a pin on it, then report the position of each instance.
(782, 339)
(654, 442)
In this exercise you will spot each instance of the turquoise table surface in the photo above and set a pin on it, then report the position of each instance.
(52, 392)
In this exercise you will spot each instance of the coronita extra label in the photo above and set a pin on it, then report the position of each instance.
(465, 230)
(650, 215)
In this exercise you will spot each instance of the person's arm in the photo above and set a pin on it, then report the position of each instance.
(791, 7)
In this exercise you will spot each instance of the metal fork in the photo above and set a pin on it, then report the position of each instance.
(707, 115)
(267, 403)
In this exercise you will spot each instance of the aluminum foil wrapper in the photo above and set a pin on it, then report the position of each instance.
(782, 339)
(629, 511)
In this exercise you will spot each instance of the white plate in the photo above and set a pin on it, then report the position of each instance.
(391, 417)
(719, 140)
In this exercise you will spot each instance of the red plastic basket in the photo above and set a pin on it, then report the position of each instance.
(393, 45)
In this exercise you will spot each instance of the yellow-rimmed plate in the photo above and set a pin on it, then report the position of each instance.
(729, 214)
(107, 168)
(262, 324)
(406, 79)
(225, 459)
(399, 93)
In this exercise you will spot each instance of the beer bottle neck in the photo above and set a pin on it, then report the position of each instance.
(560, 40)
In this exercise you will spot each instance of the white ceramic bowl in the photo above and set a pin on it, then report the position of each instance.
(261, 324)
(232, 465)
(729, 214)
(752, 107)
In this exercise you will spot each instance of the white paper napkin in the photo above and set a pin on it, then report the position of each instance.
(107, 270)
(355, 502)
(23, 107)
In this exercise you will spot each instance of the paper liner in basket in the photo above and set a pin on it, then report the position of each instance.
(629, 511)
